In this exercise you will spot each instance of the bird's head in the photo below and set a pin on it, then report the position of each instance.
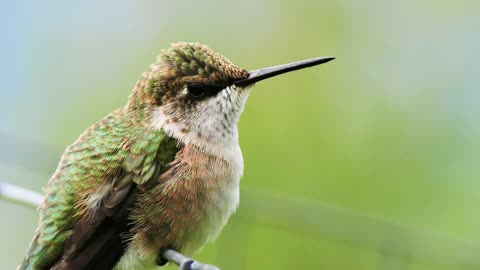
(197, 95)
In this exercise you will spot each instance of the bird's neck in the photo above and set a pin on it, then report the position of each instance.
(141, 101)
(213, 127)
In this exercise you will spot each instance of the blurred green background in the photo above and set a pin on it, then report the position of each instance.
(368, 162)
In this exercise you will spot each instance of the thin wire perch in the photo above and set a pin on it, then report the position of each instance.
(32, 199)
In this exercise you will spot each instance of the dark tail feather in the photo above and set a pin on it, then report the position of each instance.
(96, 242)
(102, 252)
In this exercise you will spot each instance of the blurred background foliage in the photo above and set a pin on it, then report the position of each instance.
(368, 162)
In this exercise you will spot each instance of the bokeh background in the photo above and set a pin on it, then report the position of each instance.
(368, 162)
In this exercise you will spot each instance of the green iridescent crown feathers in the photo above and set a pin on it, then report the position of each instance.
(195, 59)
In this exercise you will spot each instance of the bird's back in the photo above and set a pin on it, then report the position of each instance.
(101, 156)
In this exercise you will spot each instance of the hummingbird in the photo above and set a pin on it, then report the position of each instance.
(160, 173)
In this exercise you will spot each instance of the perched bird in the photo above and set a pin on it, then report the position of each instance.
(161, 172)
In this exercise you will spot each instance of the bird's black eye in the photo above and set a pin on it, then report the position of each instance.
(196, 90)
(201, 91)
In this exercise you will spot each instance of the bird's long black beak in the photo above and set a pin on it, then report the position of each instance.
(265, 73)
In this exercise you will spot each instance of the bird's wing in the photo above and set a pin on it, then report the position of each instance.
(86, 205)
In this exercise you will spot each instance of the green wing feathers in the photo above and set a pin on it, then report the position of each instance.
(114, 151)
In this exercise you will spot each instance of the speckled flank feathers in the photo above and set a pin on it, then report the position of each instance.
(184, 192)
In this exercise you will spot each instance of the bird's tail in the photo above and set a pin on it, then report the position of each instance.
(38, 256)
(26, 263)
